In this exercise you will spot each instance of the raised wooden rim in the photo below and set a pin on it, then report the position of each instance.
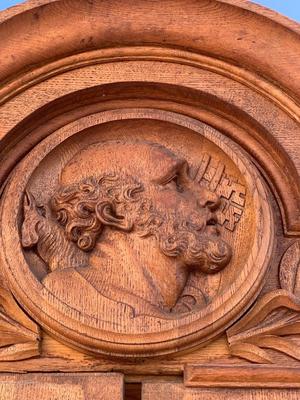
(244, 4)
(37, 57)
(58, 36)
(16, 19)
(254, 139)
(64, 327)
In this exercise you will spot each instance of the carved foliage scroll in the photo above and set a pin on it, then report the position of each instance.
(274, 321)
(19, 335)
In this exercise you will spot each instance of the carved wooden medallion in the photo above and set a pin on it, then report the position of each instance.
(149, 199)
(132, 243)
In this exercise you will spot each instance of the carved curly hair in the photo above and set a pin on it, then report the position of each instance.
(74, 206)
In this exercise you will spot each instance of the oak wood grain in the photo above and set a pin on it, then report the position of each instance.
(241, 376)
(62, 386)
(175, 391)
(150, 200)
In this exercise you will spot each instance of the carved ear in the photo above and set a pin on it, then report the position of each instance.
(107, 216)
(29, 201)
(29, 233)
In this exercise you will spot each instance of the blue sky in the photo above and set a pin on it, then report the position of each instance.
(290, 8)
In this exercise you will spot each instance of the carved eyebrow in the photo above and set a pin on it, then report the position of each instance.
(171, 173)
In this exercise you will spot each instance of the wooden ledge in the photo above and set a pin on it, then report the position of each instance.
(241, 376)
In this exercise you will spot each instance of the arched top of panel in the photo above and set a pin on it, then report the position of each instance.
(242, 54)
(150, 161)
(238, 31)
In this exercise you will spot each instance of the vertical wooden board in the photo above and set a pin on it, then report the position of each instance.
(176, 391)
(82, 386)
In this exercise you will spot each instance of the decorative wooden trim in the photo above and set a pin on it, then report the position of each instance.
(244, 14)
(20, 336)
(241, 376)
(165, 54)
(72, 70)
(274, 319)
(243, 4)
(261, 77)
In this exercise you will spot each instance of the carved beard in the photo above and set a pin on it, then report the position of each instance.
(204, 251)
(197, 244)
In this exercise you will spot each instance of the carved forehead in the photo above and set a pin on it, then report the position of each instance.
(144, 160)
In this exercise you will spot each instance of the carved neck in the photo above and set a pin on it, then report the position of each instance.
(136, 265)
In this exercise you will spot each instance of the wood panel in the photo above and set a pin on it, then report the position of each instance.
(149, 210)
(175, 391)
(62, 387)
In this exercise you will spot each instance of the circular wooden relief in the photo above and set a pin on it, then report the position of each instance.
(136, 232)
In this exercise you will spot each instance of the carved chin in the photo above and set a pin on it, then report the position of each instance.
(218, 256)
(206, 253)
(214, 255)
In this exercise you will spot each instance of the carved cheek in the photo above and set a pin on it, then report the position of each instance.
(166, 199)
(179, 203)
(187, 202)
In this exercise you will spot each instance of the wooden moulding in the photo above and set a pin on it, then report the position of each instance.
(231, 43)
(133, 90)
(211, 321)
(241, 376)
(242, 54)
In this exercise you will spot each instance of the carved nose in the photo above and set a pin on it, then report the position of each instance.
(209, 199)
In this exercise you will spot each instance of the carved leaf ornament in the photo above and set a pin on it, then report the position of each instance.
(20, 336)
(274, 320)
(141, 156)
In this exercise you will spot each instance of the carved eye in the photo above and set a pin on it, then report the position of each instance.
(175, 183)
(42, 211)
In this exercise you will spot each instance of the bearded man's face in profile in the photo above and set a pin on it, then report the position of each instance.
(188, 230)
(145, 191)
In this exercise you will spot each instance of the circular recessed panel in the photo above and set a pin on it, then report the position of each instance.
(136, 232)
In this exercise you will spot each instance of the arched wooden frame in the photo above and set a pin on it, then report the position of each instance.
(114, 55)
(98, 35)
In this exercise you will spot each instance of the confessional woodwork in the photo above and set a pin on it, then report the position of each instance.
(150, 201)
